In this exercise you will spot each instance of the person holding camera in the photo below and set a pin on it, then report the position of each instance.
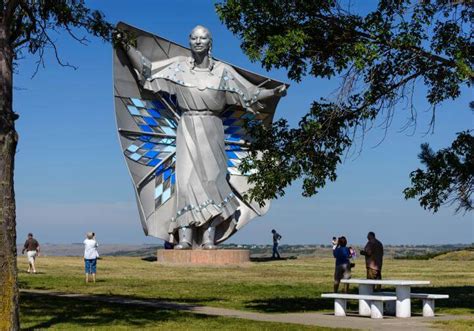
(343, 264)
(90, 255)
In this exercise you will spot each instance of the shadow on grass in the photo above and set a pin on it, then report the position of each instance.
(150, 258)
(290, 305)
(459, 297)
(172, 302)
(43, 311)
(270, 259)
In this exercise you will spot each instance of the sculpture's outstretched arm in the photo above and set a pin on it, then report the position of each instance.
(248, 94)
(266, 93)
(141, 64)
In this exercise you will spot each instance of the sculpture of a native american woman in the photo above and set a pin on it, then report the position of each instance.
(180, 116)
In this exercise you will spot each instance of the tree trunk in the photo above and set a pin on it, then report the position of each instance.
(9, 312)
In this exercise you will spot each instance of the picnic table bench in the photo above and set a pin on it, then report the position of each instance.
(402, 292)
(371, 303)
(376, 302)
(428, 301)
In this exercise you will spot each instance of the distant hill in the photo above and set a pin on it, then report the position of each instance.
(77, 249)
(460, 255)
(464, 253)
(422, 252)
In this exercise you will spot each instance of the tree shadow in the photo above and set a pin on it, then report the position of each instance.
(290, 305)
(174, 302)
(181, 303)
(44, 311)
(459, 297)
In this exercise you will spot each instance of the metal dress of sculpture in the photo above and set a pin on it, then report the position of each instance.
(181, 130)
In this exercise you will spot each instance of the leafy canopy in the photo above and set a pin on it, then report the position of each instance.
(448, 177)
(380, 56)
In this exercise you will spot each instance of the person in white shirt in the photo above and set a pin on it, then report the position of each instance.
(90, 255)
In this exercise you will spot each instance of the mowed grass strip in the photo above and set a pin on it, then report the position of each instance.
(42, 312)
(277, 286)
(456, 325)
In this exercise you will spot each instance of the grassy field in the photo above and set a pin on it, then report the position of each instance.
(277, 286)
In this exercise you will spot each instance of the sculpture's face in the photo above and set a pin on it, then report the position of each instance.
(200, 40)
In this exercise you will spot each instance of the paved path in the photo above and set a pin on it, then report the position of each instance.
(314, 319)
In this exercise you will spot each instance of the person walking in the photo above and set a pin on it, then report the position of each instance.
(342, 270)
(90, 256)
(373, 253)
(32, 249)
(276, 241)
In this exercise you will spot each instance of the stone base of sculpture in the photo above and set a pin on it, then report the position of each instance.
(203, 257)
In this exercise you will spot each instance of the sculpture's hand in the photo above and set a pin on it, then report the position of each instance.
(123, 39)
(280, 91)
(253, 111)
(119, 40)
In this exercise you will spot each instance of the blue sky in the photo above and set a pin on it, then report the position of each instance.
(71, 176)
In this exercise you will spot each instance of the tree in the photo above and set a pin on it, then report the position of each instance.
(25, 27)
(449, 175)
(381, 56)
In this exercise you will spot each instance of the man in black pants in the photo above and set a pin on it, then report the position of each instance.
(276, 240)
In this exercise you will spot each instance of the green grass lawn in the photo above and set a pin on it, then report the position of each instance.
(38, 312)
(279, 286)
(276, 286)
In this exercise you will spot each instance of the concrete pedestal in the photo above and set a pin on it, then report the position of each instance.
(206, 257)
(376, 309)
(428, 307)
(340, 306)
(403, 301)
(364, 305)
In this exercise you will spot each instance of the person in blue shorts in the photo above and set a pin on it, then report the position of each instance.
(90, 255)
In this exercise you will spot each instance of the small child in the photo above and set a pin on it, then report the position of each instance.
(353, 252)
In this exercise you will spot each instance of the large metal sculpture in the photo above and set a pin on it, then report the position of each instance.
(180, 116)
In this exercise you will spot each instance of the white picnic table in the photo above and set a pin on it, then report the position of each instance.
(402, 290)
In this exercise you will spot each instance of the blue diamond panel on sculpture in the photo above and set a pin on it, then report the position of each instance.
(234, 119)
(235, 154)
(165, 180)
(152, 116)
(150, 151)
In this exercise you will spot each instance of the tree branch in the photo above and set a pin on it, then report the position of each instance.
(82, 40)
(416, 49)
(12, 5)
(55, 49)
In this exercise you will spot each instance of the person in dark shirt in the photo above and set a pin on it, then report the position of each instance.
(342, 270)
(32, 249)
(168, 245)
(373, 253)
(276, 241)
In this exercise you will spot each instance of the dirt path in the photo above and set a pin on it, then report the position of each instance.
(315, 319)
